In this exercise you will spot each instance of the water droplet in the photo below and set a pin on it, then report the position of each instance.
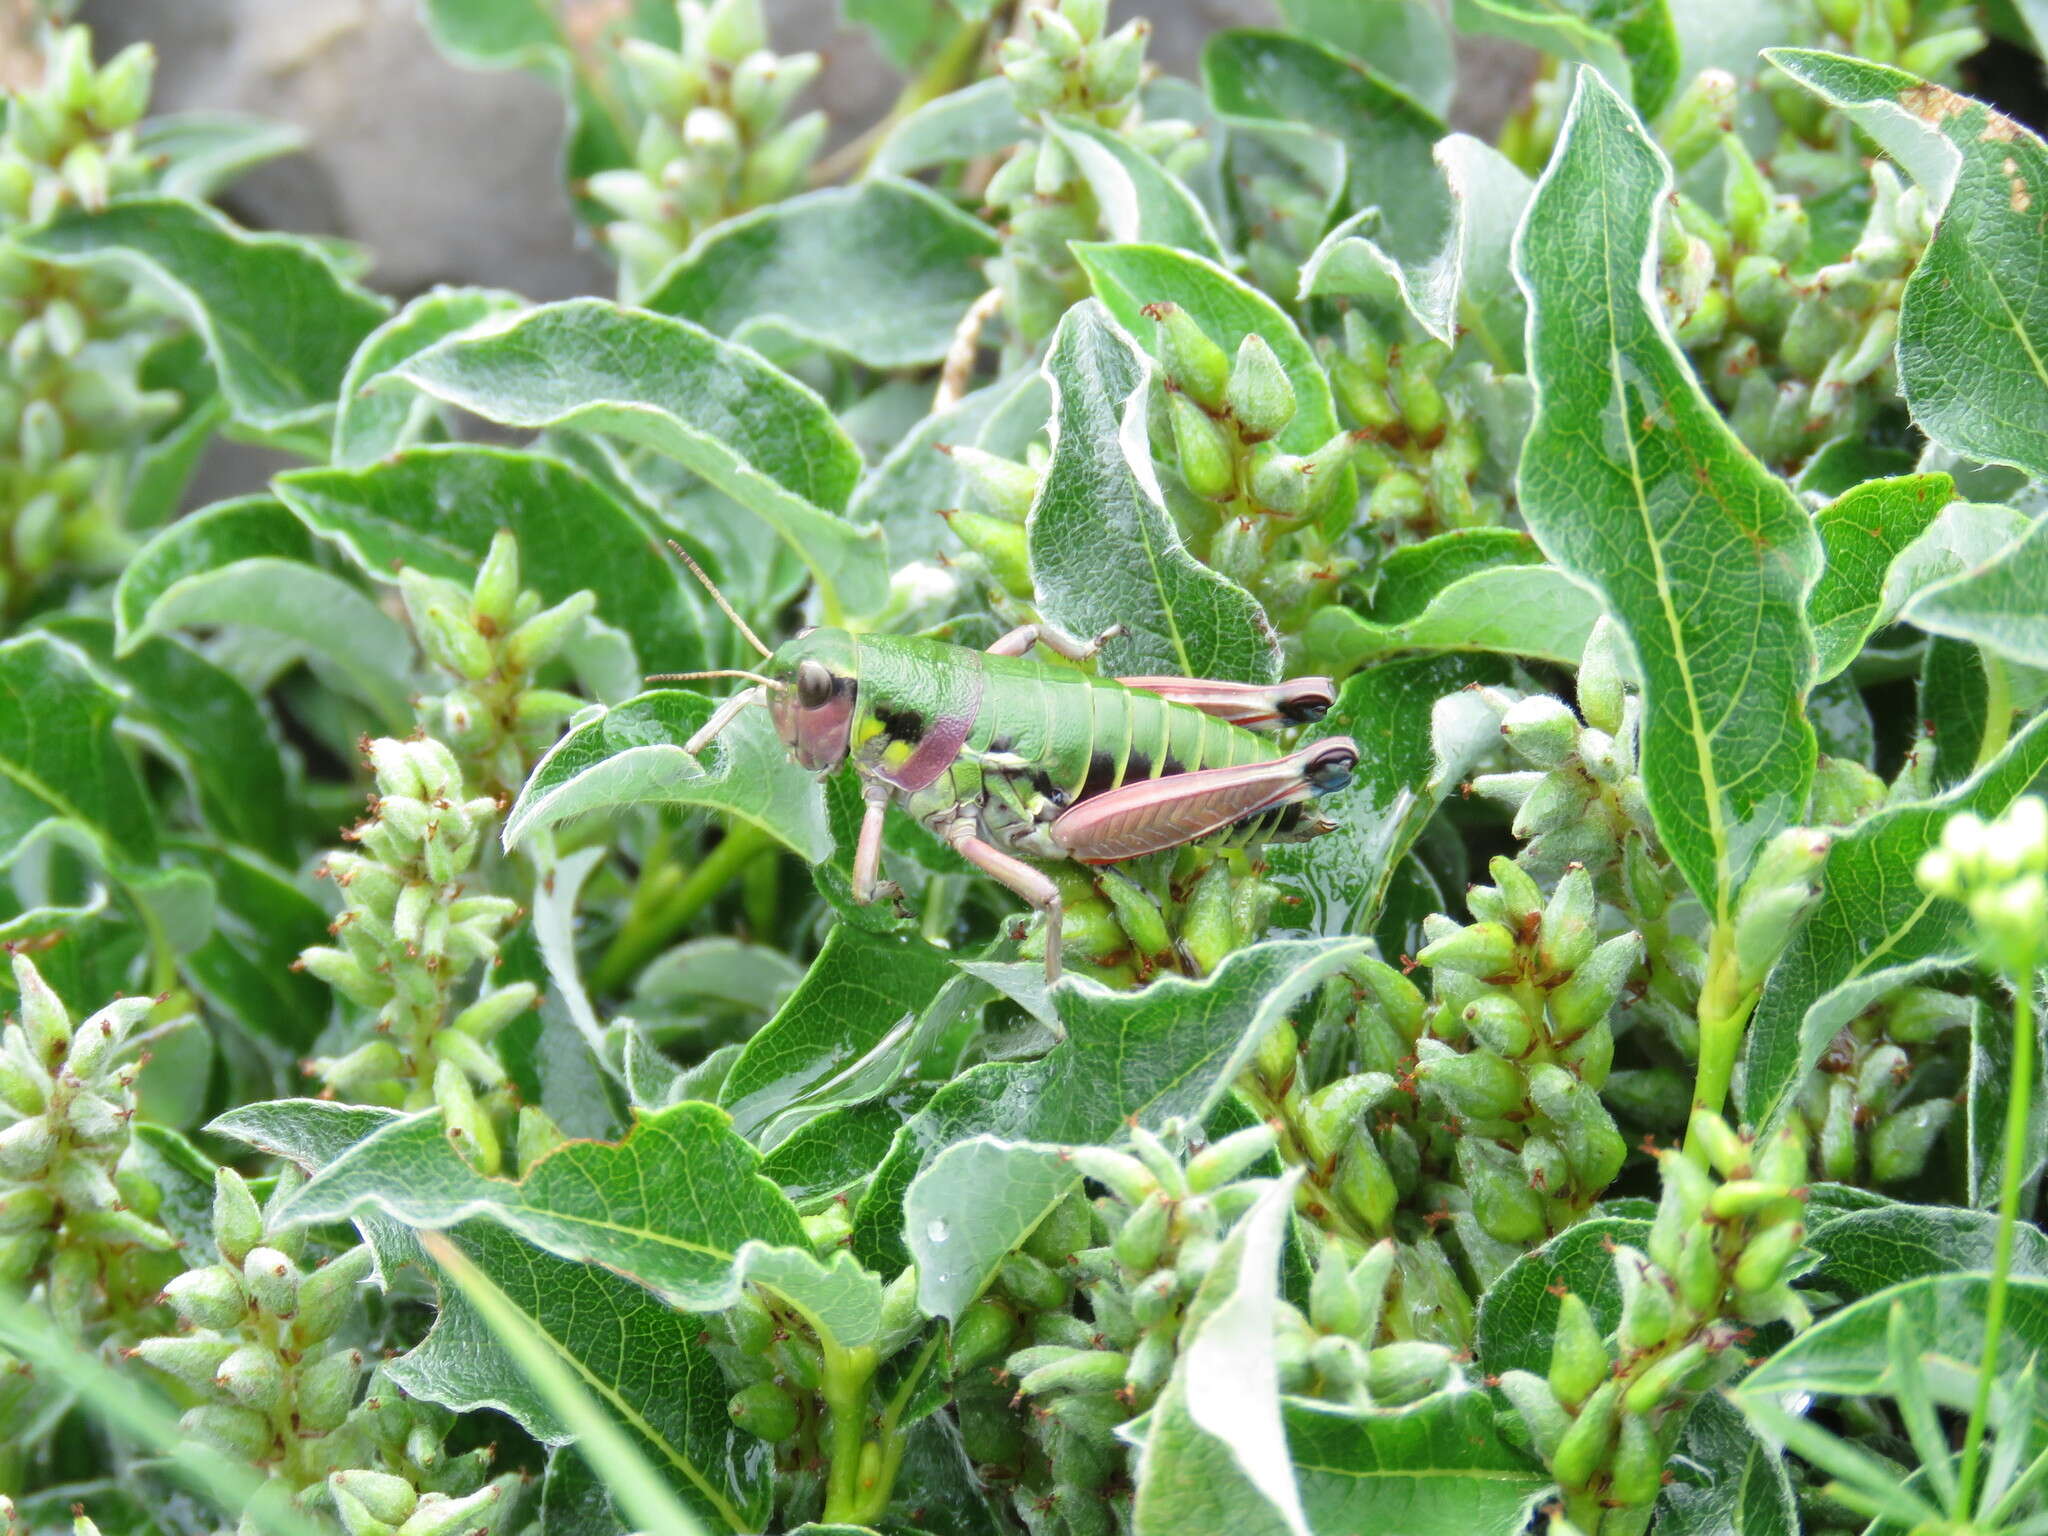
(937, 1230)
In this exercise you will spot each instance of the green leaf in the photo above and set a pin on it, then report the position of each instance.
(1400, 713)
(667, 1207)
(1466, 286)
(309, 1132)
(571, 1351)
(1874, 929)
(1171, 1049)
(366, 427)
(970, 1207)
(718, 409)
(245, 969)
(1953, 701)
(279, 322)
(1998, 605)
(1863, 1252)
(1266, 78)
(1847, 1353)
(495, 34)
(835, 1153)
(1129, 277)
(1103, 550)
(879, 272)
(1863, 532)
(1632, 43)
(1438, 1466)
(1726, 1481)
(61, 767)
(633, 755)
(1633, 483)
(1514, 607)
(1404, 40)
(976, 120)
(1215, 1456)
(205, 723)
(1140, 199)
(1985, 1104)
(842, 1301)
(250, 562)
(183, 1177)
(201, 152)
(1973, 324)
(437, 509)
(1518, 1313)
(859, 997)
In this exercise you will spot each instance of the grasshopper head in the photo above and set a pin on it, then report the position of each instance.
(814, 703)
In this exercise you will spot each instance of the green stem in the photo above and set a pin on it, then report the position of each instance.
(648, 933)
(1997, 708)
(1724, 1011)
(2018, 1109)
(845, 1388)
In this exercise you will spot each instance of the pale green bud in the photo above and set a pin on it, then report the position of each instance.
(440, 1515)
(382, 1495)
(1206, 458)
(1901, 1141)
(1568, 933)
(1538, 1409)
(1595, 986)
(241, 1433)
(1259, 393)
(26, 1149)
(1115, 65)
(540, 637)
(1478, 949)
(193, 1360)
(270, 1279)
(1579, 1360)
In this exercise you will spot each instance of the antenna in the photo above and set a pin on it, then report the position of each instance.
(684, 677)
(718, 597)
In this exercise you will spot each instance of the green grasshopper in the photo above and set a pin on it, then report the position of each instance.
(1007, 758)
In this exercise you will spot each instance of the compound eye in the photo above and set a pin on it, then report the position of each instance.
(813, 684)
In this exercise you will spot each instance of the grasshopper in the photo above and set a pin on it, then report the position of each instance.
(1009, 759)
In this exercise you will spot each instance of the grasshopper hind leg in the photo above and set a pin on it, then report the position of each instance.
(1032, 884)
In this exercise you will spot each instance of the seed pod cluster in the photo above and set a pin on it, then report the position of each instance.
(1717, 1258)
(408, 936)
(1062, 61)
(71, 1217)
(1882, 1094)
(1516, 1045)
(715, 136)
(1254, 511)
(1421, 412)
(75, 413)
(495, 637)
(1798, 354)
(263, 1352)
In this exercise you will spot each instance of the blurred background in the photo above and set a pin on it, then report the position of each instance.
(452, 175)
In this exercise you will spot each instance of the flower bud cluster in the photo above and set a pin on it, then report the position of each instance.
(74, 410)
(263, 1351)
(1999, 871)
(1719, 1252)
(408, 936)
(1517, 1043)
(1256, 510)
(1796, 355)
(1062, 62)
(1880, 1097)
(494, 637)
(70, 1216)
(715, 137)
(1421, 415)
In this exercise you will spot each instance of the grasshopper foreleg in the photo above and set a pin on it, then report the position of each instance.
(1058, 641)
(867, 851)
(1033, 885)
